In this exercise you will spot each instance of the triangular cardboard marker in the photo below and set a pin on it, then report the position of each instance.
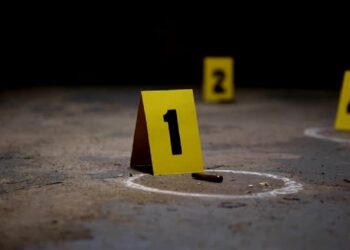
(343, 114)
(218, 79)
(166, 139)
(141, 155)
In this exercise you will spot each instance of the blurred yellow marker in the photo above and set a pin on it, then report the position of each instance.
(343, 115)
(166, 136)
(218, 83)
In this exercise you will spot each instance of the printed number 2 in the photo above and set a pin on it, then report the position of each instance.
(171, 118)
(220, 75)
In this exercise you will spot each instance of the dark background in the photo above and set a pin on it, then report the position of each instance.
(295, 50)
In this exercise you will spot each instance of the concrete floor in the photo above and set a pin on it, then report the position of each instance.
(64, 154)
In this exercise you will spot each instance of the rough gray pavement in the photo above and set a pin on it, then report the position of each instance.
(65, 152)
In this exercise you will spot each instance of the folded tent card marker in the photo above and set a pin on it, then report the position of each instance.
(166, 138)
(218, 79)
(343, 114)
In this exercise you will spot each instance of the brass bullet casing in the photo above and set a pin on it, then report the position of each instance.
(208, 177)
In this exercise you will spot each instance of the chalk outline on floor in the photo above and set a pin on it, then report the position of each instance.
(315, 133)
(290, 187)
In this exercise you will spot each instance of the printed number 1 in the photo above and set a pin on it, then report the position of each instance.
(171, 118)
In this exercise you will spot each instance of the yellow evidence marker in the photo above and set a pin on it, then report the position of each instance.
(218, 78)
(343, 115)
(166, 138)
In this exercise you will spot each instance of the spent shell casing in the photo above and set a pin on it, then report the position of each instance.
(208, 177)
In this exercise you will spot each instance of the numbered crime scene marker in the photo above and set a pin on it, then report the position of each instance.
(166, 139)
(218, 78)
(343, 114)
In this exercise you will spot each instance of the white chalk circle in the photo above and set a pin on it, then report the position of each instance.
(290, 187)
(317, 133)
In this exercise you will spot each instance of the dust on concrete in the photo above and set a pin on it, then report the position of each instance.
(63, 153)
(233, 184)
